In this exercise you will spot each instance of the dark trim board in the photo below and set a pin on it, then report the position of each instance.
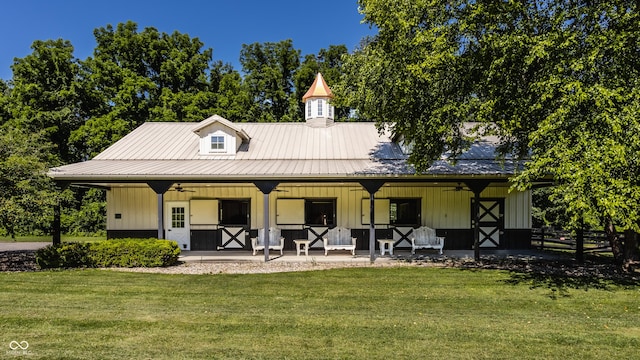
(136, 234)
(205, 240)
(455, 239)
(462, 239)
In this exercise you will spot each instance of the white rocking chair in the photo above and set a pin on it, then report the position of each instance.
(276, 241)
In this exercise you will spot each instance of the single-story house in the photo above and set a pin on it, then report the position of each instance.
(211, 185)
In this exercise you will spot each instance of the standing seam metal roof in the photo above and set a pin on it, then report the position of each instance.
(163, 150)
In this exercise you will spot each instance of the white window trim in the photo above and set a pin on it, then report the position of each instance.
(224, 143)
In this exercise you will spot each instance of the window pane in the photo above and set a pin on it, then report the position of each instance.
(234, 212)
(320, 212)
(319, 107)
(308, 108)
(217, 142)
(177, 217)
(405, 211)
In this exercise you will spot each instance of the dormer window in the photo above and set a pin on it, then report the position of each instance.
(217, 143)
(219, 136)
(319, 107)
(308, 108)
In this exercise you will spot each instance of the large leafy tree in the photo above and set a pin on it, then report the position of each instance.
(583, 140)
(409, 76)
(269, 70)
(232, 97)
(48, 97)
(143, 76)
(555, 80)
(26, 193)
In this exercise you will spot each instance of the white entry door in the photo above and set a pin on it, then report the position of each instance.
(177, 223)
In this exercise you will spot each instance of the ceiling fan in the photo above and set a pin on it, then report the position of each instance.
(179, 188)
(459, 187)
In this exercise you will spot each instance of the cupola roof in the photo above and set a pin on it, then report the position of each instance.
(319, 88)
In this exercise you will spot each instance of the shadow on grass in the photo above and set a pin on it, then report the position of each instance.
(559, 275)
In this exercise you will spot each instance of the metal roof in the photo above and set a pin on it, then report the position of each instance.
(162, 150)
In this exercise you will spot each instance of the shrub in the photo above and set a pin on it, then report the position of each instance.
(110, 253)
(65, 255)
(135, 253)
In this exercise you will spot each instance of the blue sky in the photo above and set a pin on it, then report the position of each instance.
(221, 25)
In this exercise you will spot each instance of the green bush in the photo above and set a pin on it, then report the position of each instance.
(65, 255)
(135, 253)
(110, 253)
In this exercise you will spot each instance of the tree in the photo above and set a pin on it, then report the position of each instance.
(557, 81)
(269, 68)
(572, 100)
(232, 97)
(143, 76)
(26, 193)
(409, 76)
(47, 95)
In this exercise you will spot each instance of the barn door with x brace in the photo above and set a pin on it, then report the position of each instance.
(491, 215)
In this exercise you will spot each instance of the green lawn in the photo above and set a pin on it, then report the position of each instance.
(47, 238)
(357, 313)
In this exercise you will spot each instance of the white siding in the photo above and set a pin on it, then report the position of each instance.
(441, 208)
(137, 206)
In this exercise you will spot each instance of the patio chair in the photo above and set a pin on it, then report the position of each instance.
(425, 238)
(276, 241)
(339, 239)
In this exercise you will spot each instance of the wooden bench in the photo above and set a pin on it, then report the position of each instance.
(339, 238)
(425, 238)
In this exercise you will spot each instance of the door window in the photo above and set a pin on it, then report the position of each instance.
(177, 217)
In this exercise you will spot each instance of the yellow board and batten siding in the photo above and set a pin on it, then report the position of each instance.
(441, 208)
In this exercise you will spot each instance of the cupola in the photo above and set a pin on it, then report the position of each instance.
(318, 111)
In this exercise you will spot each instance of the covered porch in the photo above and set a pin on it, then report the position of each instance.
(143, 209)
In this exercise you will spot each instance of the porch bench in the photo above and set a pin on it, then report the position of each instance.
(276, 241)
(425, 237)
(339, 238)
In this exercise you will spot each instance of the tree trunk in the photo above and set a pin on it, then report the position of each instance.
(614, 240)
(631, 255)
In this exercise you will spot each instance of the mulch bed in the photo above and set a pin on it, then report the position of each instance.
(22, 260)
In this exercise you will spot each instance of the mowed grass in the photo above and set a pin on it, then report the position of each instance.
(356, 313)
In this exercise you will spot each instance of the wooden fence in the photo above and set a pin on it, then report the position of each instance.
(551, 239)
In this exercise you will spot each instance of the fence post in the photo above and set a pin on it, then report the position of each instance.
(580, 244)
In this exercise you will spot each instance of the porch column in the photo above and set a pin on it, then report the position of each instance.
(372, 186)
(56, 231)
(266, 187)
(477, 186)
(160, 187)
